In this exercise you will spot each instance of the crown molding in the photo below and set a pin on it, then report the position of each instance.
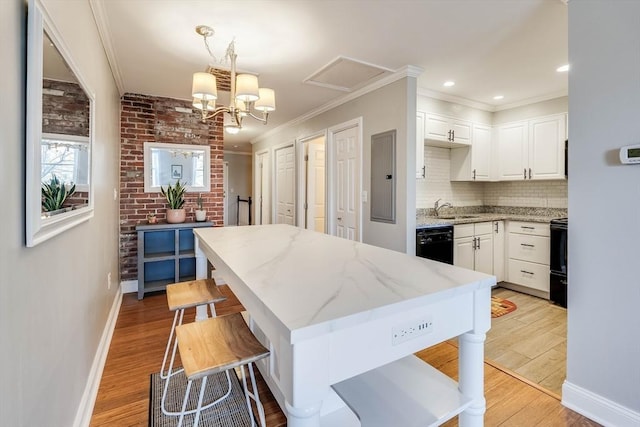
(406, 71)
(100, 17)
(532, 100)
(456, 99)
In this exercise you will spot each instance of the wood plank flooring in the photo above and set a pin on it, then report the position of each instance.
(143, 327)
(531, 341)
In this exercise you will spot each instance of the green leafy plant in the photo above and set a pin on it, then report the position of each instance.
(174, 195)
(55, 193)
(200, 201)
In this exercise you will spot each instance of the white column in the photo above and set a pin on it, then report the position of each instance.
(201, 273)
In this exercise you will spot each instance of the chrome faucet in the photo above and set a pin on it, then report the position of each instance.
(437, 206)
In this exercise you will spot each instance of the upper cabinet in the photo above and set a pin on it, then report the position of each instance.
(532, 149)
(420, 167)
(473, 163)
(448, 132)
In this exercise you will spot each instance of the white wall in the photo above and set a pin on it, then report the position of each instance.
(54, 300)
(383, 109)
(537, 109)
(603, 350)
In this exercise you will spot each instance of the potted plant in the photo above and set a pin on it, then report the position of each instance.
(175, 198)
(55, 193)
(201, 214)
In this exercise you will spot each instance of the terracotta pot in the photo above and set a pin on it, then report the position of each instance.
(201, 215)
(176, 216)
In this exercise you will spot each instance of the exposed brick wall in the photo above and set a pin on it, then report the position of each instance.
(153, 119)
(65, 108)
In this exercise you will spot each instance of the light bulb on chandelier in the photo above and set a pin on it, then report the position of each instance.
(245, 95)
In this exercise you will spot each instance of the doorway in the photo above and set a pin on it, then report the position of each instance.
(262, 213)
(225, 193)
(311, 204)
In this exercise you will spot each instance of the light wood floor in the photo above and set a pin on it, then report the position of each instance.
(143, 327)
(531, 341)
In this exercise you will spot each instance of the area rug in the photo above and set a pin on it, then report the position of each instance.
(500, 307)
(231, 412)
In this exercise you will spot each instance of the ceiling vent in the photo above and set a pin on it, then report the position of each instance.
(346, 74)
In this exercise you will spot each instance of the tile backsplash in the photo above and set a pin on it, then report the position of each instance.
(436, 185)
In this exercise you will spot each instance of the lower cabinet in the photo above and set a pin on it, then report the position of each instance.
(473, 246)
(528, 256)
(166, 254)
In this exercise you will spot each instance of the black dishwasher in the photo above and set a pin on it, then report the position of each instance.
(435, 243)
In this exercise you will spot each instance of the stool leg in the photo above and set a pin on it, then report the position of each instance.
(171, 373)
(256, 397)
(184, 403)
(199, 408)
(212, 307)
(166, 350)
(246, 395)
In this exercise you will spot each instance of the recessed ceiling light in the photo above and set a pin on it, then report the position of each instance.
(235, 146)
(498, 97)
(449, 83)
(563, 69)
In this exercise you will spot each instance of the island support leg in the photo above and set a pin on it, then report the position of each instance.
(303, 417)
(471, 382)
(201, 273)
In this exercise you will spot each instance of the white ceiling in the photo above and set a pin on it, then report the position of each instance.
(488, 47)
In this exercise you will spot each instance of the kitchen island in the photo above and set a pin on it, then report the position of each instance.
(330, 309)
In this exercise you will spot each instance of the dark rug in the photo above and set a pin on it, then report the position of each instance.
(231, 412)
(500, 307)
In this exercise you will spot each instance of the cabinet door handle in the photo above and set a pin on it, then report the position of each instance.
(474, 174)
(424, 172)
(453, 135)
(496, 224)
(478, 242)
(474, 244)
(526, 272)
(449, 138)
(529, 173)
(527, 227)
(525, 173)
(527, 245)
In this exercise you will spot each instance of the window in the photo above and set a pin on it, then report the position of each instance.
(67, 157)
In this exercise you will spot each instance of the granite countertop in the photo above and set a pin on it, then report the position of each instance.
(426, 219)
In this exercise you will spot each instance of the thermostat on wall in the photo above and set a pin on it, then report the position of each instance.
(630, 154)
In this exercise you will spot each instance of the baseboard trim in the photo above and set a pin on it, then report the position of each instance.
(129, 286)
(598, 408)
(85, 409)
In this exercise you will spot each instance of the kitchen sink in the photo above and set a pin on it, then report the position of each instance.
(458, 216)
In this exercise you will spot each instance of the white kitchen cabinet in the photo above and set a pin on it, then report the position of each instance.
(473, 163)
(532, 149)
(512, 151)
(528, 257)
(499, 254)
(443, 131)
(420, 166)
(546, 147)
(473, 246)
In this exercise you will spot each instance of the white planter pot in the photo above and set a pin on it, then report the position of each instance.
(201, 215)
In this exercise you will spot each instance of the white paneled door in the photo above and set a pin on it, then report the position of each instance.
(315, 194)
(347, 183)
(263, 198)
(285, 185)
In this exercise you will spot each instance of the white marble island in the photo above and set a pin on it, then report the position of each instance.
(330, 309)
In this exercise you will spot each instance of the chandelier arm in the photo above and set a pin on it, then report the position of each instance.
(219, 110)
(263, 119)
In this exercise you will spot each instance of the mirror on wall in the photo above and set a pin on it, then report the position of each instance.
(165, 164)
(59, 134)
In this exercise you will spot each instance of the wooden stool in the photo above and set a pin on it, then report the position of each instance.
(216, 345)
(183, 295)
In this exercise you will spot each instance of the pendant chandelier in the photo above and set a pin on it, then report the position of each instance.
(246, 98)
